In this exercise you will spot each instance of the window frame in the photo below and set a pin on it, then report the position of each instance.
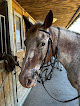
(75, 16)
(18, 15)
(73, 24)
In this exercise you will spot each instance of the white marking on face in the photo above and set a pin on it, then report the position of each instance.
(37, 67)
(31, 54)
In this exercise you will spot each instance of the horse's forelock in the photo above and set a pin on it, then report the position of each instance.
(33, 29)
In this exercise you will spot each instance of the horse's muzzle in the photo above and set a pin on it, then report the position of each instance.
(28, 80)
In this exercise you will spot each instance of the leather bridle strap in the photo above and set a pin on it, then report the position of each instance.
(49, 43)
(44, 31)
(58, 44)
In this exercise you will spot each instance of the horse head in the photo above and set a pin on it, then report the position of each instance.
(36, 47)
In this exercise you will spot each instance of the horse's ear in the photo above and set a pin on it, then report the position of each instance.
(27, 22)
(48, 20)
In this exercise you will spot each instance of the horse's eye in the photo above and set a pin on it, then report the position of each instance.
(43, 44)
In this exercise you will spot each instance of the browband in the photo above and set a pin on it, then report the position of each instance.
(44, 31)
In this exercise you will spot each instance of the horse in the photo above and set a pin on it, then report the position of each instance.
(36, 46)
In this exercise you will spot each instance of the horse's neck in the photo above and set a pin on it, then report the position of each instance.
(68, 46)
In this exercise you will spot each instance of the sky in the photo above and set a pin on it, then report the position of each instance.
(76, 26)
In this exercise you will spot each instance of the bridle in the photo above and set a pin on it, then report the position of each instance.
(44, 68)
(48, 76)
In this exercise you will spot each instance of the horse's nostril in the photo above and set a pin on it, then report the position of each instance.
(29, 81)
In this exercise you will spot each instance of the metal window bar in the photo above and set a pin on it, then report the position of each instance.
(1, 36)
(5, 36)
(3, 45)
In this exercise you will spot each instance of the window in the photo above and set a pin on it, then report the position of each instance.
(76, 26)
(18, 32)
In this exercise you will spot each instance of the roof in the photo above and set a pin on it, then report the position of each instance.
(63, 10)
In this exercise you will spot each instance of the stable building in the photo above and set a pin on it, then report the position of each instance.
(12, 36)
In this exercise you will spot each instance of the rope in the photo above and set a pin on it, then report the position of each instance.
(3, 82)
